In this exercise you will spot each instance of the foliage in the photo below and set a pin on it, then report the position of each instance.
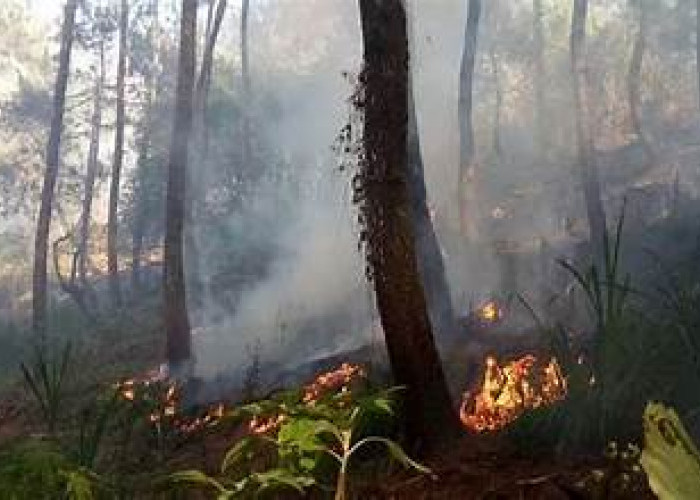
(294, 453)
(36, 469)
(46, 378)
(670, 458)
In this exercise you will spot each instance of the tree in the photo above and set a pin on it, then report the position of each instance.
(588, 170)
(634, 77)
(430, 262)
(245, 75)
(465, 186)
(176, 320)
(92, 168)
(144, 147)
(53, 153)
(112, 219)
(538, 75)
(384, 195)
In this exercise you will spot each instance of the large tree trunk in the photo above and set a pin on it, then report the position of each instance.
(176, 320)
(466, 189)
(112, 218)
(92, 166)
(429, 253)
(588, 170)
(634, 78)
(384, 194)
(245, 75)
(139, 223)
(539, 77)
(53, 153)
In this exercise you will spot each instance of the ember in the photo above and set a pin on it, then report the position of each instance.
(507, 391)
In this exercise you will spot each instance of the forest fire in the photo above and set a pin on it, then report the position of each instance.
(338, 379)
(509, 390)
(490, 312)
(163, 399)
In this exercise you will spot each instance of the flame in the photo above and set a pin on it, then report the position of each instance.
(489, 312)
(168, 401)
(338, 379)
(507, 391)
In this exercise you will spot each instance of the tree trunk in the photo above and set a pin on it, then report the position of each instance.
(634, 79)
(466, 190)
(139, 223)
(112, 222)
(588, 170)
(92, 166)
(176, 320)
(497, 109)
(539, 77)
(384, 194)
(204, 81)
(430, 262)
(245, 75)
(697, 46)
(53, 152)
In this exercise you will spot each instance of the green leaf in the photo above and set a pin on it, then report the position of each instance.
(305, 434)
(395, 451)
(669, 458)
(197, 478)
(244, 450)
(276, 478)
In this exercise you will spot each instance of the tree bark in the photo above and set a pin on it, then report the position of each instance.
(176, 320)
(92, 166)
(634, 78)
(53, 153)
(466, 190)
(384, 194)
(539, 77)
(245, 75)
(588, 170)
(112, 218)
(697, 47)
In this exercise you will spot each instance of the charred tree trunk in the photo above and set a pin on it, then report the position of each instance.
(429, 253)
(634, 79)
(144, 146)
(92, 166)
(539, 76)
(53, 153)
(384, 193)
(112, 219)
(245, 75)
(588, 170)
(466, 189)
(176, 320)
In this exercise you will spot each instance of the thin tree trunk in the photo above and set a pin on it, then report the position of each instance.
(539, 77)
(634, 78)
(112, 222)
(697, 46)
(588, 170)
(53, 153)
(466, 190)
(176, 320)
(429, 253)
(384, 194)
(245, 75)
(497, 144)
(143, 156)
(92, 166)
(205, 74)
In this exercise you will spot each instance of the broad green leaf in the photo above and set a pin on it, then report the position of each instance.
(276, 478)
(669, 458)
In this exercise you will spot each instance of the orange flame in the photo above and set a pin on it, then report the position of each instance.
(490, 312)
(507, 391)
(340, 378)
